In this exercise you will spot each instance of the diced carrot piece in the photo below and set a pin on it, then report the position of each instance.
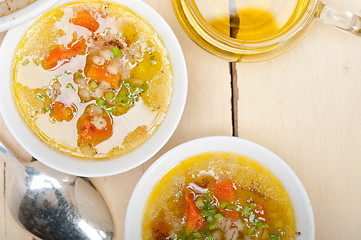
(224, 191)
(85, 19)
(101, 73)
(88, 131)
(195, 221)
(61, 113)
(76, 48)
(60, 54)
(229, 214)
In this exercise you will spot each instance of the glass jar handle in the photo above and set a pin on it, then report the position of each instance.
(343, 20)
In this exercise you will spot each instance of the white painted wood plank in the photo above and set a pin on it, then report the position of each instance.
(305, 106)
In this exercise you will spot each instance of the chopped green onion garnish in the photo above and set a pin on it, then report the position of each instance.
(25, 62)
(67, 72)
(208, 197)
(252, 217)
(199, 202)
(259, 224)
(246, 211)
(40, 96)
(56, 77)
(218, 217)
(252, 206)
(79, 74)
(232, 207)
(251, 230)
(127, 103)
(145, 86)
(224, 204)
(109, 95)
(209, 238)
(111, 110)
(69, 85)
(178, 195)
(100, 102)
(46, 109)
(208, 212)
(126, 84)
(274, 237)
(197, 235)
(93, 84)
(116, 52)
(137, 90)
(212, 226)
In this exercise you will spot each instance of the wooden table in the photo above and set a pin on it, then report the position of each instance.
(304, 105)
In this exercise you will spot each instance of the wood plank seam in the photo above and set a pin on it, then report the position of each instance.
(234, 103)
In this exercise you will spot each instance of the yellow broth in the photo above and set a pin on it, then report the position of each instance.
(92, 79)
(254, 206)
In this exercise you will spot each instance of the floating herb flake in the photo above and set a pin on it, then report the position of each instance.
(56, 78)
(178, 195)
(69, 85)
(79, 74)
(25, 62)
(111, 110)
(116, 52)
(100, 102)
(46, 109)
(126, 84)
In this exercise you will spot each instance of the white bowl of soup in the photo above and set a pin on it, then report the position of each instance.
(93, 88)
(219, 188)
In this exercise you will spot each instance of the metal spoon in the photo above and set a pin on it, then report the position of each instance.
(53, 205)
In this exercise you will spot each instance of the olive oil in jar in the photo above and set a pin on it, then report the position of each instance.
(224, 26)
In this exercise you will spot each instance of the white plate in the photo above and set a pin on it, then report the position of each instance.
(293, 186)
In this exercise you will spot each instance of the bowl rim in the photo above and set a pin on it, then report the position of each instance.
(25, 14)
(99, 168)
(298, 196)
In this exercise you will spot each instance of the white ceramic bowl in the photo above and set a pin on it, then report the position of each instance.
(25, 14)
(293, 186)
(64, 163)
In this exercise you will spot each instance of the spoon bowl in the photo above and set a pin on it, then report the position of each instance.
(54, 205)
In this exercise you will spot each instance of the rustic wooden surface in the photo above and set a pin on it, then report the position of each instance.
(304, 105)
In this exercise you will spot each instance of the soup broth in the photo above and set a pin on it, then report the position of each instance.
(219, 196)
(92, 79)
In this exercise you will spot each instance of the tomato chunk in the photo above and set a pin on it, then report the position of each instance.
(101, 73)
(85, 19)
(60, 54)
(195, 221)
(224, 191)
(228, 214)
(60, 112)
(87, 131)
